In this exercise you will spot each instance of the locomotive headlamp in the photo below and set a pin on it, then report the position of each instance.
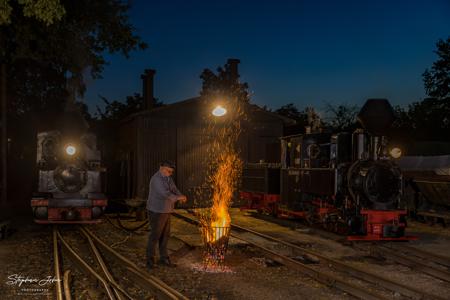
(395, 152)
(71, 150)
(219, 111)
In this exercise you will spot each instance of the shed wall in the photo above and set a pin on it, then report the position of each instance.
(177, 134)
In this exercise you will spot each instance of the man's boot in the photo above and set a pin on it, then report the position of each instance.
(165, 261)
(151, 263)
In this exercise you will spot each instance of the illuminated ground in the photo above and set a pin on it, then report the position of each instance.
(249, 275)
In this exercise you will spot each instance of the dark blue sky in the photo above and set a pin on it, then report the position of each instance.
(305, 52)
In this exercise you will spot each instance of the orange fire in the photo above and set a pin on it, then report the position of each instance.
(225, 168)
(224, 182)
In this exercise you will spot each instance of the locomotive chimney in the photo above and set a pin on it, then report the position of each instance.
(234, 72)
(147, 88)
(376, 116)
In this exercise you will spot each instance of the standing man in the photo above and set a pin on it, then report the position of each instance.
(162, 196)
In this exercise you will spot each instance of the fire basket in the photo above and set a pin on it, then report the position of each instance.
(215, 240)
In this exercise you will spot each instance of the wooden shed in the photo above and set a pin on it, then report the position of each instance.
(176, 132)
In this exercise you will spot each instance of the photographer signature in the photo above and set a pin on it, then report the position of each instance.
(19, 279)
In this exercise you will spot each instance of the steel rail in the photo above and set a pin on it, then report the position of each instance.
(322, 277)
(79, 262)
(436, 258)
(355, 271)
(67, 277)
(146, 280)
(412, 263)
(118, 290)
(387, 252)
(57, 265)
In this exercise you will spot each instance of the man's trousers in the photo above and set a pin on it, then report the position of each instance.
(159, 234)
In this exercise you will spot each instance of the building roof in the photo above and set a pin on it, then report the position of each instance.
(197, 101)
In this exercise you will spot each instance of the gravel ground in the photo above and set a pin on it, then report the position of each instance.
(431, 238)
(249, 275)
(26, 255)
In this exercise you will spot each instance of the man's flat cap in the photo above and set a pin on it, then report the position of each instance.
(168, 163)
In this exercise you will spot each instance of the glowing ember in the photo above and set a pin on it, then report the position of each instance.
(212, 269)
(216, 244)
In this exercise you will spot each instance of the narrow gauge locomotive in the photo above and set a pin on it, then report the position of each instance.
(71, 178)
(347, 182)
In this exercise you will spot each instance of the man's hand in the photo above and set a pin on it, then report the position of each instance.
(182, 198)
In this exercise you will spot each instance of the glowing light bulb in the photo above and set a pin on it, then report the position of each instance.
(396, 152)
(71, 150)
(219, 111)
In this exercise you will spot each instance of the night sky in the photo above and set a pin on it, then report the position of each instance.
(305, 52)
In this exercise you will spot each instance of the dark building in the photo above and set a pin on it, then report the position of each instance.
(176, 132)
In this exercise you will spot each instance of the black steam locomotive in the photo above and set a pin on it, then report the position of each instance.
(71, 178)
(347, 182)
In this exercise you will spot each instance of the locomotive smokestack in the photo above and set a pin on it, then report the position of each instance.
(147, 88)
(376, 116)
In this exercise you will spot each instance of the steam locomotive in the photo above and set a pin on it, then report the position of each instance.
(71, 177)
(348, 183)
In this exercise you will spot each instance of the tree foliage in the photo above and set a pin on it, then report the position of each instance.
(46, 42)
(342, 116)
(222, 85)
(292, 112)
(48, 48)
(429, 119)
(47, 11)
(425, 120)
(118, 110)
(437, 79)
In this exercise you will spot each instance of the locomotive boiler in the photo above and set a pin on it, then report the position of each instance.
(347, 182)
(70, 174)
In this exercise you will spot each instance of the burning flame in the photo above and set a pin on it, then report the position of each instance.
(223, 174)
(224, 182)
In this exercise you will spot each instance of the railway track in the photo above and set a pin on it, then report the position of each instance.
(405, 255)
(419, 260)
(331, 266)
(425, 255)
(101, 273)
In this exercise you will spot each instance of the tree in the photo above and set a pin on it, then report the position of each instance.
(427, 120)
(291, 111)
(437, 79)
(47, 11)
(118, 110)
(342, 117)
(224, 84)
(266, 108)
(45, 43)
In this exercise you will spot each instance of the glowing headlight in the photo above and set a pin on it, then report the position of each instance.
(219, 111)
(71, 150)
(396, 152)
